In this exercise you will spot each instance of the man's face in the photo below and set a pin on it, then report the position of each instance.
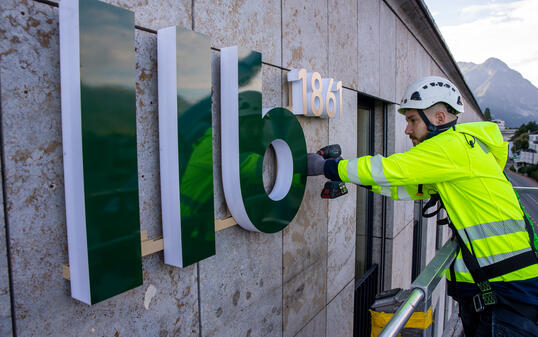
(416, 128)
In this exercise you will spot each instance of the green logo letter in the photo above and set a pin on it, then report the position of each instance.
(246, 134)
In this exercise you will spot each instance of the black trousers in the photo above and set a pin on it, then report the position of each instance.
(495, 321)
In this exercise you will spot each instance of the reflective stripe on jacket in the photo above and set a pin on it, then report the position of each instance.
(465, 166)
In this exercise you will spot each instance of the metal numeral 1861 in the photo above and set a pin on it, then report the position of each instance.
(311, 95)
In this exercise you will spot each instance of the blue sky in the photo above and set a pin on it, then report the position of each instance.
(478, 29)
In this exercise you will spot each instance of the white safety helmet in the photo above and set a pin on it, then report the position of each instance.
(431, 90)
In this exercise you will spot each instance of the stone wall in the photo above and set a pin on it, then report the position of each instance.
(298, 282)
(5, 305)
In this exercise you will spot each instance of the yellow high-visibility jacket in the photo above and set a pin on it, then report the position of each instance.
(464, 165)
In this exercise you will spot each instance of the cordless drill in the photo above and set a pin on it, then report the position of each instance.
(332, 189)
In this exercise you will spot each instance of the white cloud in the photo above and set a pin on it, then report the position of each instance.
(506, 31)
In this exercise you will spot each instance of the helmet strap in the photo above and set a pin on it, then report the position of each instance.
(434, 130)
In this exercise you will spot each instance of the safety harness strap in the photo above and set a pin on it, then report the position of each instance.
(487, 295)
(435, 199)
(530, 230)
(509, 265)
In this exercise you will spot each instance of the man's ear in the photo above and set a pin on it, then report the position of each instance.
(440, 117)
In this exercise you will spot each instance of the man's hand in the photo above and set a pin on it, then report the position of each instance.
(325, 162)
(315, 164)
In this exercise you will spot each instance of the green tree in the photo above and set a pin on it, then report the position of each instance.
(525, 128)
(521, 143)
(487, 114)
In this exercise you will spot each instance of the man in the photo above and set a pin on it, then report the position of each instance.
(495, 274)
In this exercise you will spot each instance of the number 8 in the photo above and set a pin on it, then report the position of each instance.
(316, 93)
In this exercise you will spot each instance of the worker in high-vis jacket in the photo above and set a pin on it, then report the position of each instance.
(495, 274)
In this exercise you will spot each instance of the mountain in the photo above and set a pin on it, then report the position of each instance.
(508, 95)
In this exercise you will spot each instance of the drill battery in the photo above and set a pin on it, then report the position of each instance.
(332, 189)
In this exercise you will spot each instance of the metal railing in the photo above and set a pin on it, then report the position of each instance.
(525, 189)
(422, 289)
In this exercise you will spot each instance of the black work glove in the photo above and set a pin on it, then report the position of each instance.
(330, 169)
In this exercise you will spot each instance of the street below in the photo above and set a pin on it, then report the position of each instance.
(528, 199)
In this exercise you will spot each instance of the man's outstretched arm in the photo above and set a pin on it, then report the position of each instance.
(398, 175)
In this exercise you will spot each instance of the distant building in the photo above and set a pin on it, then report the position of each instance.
(527, 157)
(533, 140)
(500, 123)
(506, 132)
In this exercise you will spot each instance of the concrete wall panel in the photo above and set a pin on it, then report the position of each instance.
(413, 48)
(403, 215)
(342, 211)
(423, 62)
(305, 244)
(147, 133)
(387, 54)
(5, 300)
(403, 142)
(435, 70)
(392, 124)
(316, 327)
(241, 286)
(402, 77)
(157, 14)
(399, 258)
(340, 312)
(429, 237)
(343, 39)
(221, 210)
(272, 86)
(253, 24)
(369, 46)
(305, 35)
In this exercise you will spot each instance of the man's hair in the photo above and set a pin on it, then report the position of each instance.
(447, 109)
